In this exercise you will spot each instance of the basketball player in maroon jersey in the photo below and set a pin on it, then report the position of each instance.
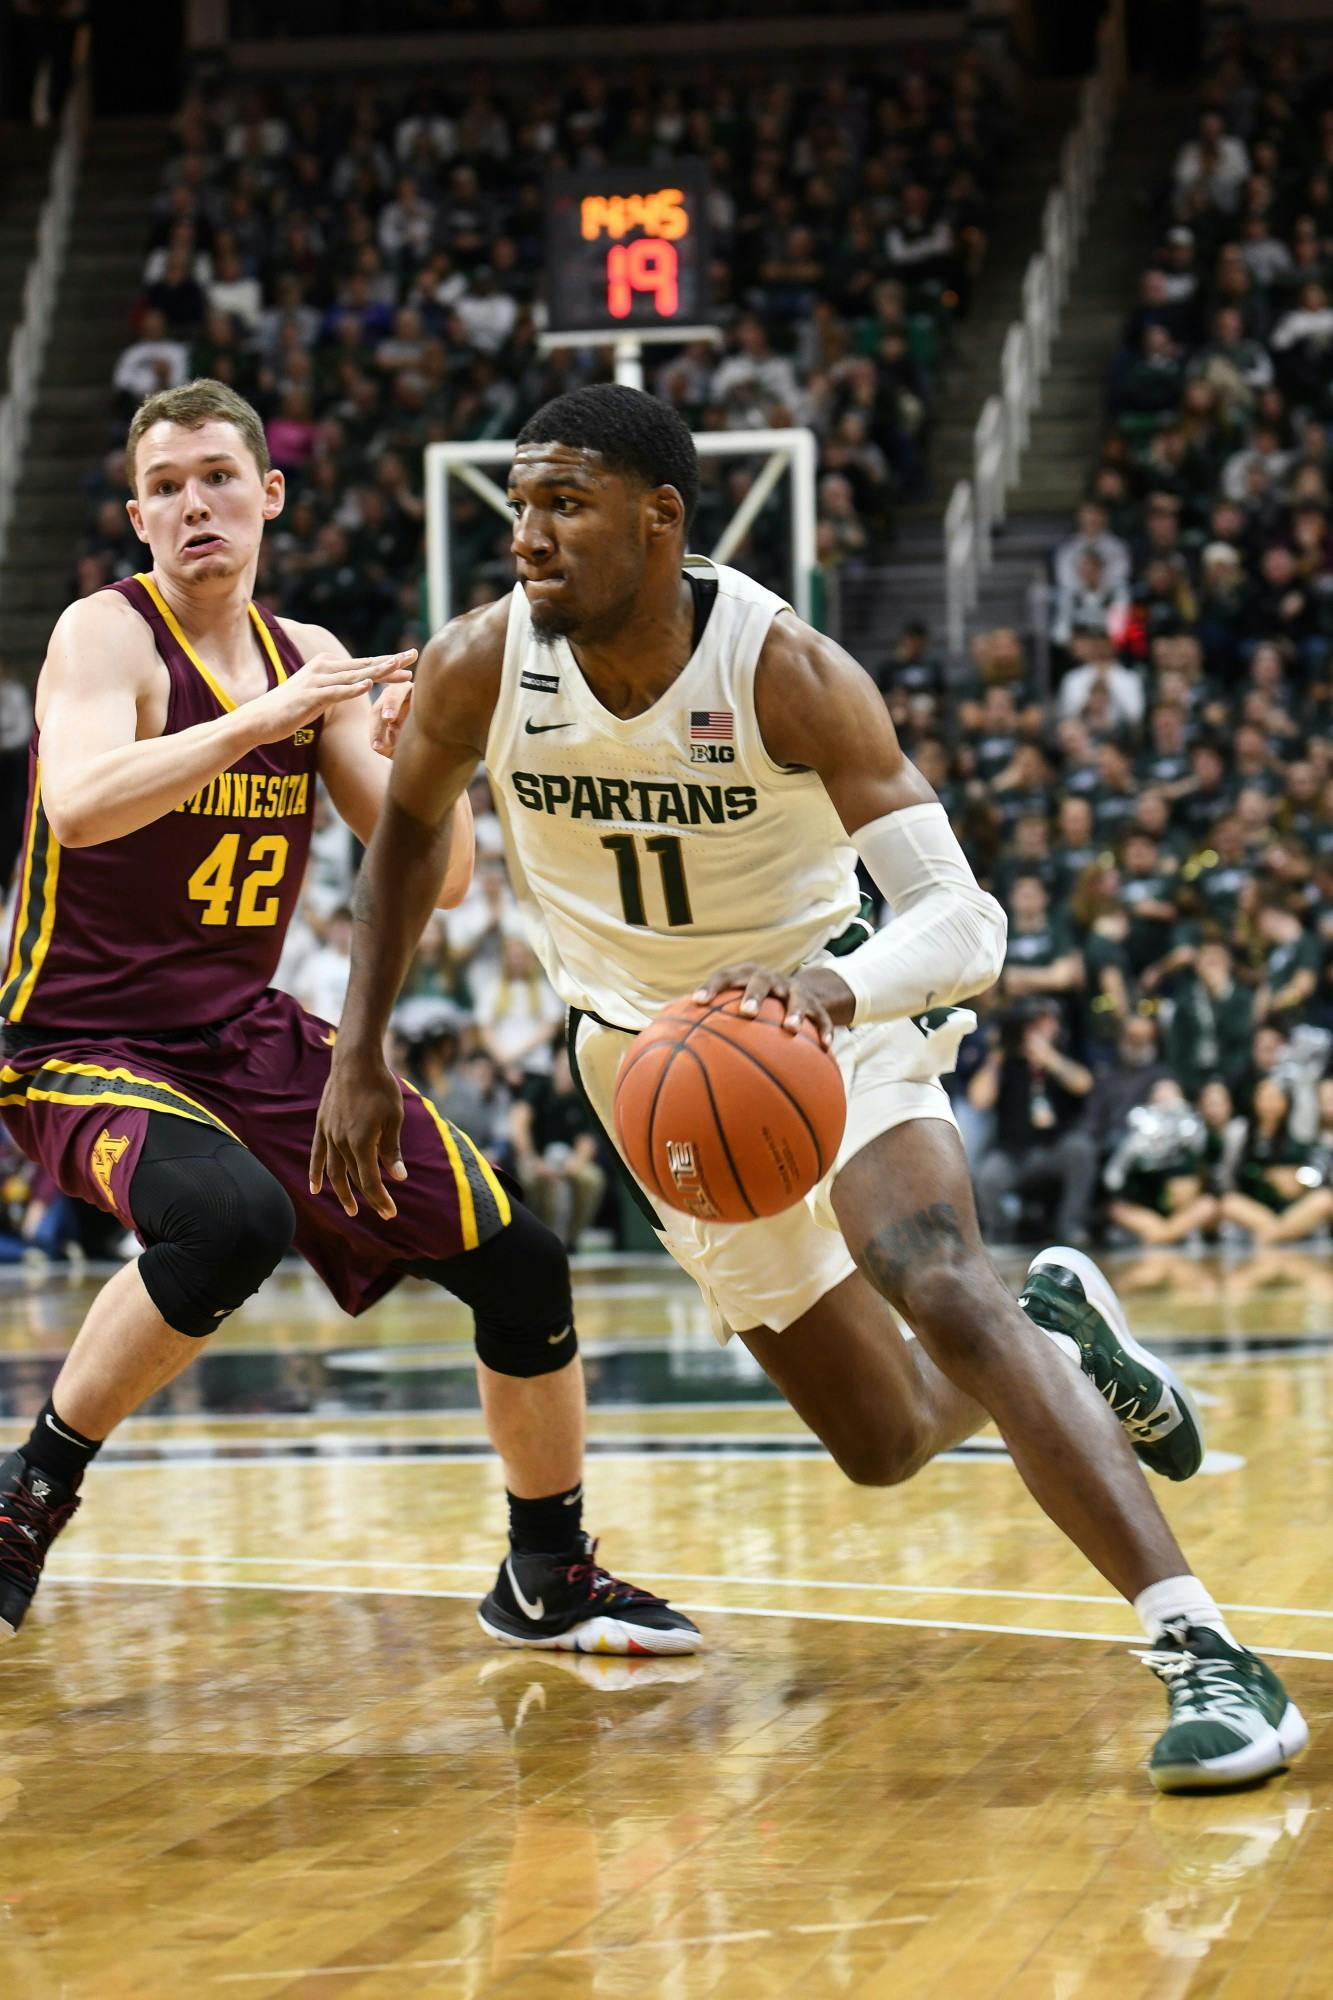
(151, 1068)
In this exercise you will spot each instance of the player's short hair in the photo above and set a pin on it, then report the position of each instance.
(192, 405)
(635, 434)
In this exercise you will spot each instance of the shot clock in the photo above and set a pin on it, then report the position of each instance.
(627, 251)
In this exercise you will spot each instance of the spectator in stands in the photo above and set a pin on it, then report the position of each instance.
(233, 290)
(1281, 1194)
(1041, 959)
(1291, 965)
(752, 376)
(555, 1149)
(1212, 1018)
(1301, 341)
(486, 314)
(913, 664)
(1092, 536)
(1101, 679)
(1157, 1175)
(1175, 262)
(1147, 381)
(324, 976)
(920, 242)
(177, 294)
(1092, 608)
(1038, 1096)
(840, 535)
(154, 361)
(1216, 162)
(1126, 1085)
(516, 1012)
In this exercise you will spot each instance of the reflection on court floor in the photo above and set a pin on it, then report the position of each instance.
(252, 1741)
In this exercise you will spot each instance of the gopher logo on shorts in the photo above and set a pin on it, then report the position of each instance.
(106, 1154)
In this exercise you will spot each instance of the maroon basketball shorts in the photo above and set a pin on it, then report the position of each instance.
(79, 1106)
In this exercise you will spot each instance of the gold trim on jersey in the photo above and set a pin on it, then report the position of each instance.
(172, 624)
(463, 1174)
(37, 908)
(269, 644)
(467, 1208)
(57, 1082)
(488, 1174)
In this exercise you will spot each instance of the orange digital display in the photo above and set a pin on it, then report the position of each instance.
(662, 213)
(627, 253)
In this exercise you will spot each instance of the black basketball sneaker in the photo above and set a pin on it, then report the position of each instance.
(33, 1509)
(570, 1604)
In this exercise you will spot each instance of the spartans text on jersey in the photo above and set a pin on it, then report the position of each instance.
(636, 801)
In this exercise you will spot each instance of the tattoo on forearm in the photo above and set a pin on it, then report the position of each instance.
(890, 1253)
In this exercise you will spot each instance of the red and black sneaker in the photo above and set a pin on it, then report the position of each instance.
(570, 1604)
(33, 1509)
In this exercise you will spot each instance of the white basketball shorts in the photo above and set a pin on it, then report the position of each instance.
(769, 1272)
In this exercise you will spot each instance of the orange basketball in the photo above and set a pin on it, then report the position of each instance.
(725, 1115)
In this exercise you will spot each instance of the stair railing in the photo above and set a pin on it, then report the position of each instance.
(1004, 427)
(961, 567)
(27, 347)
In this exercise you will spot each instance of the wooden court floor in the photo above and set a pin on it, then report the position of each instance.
(252, 1743)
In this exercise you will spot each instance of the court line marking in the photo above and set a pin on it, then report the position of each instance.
(575, 1950)
(1131, 1639)
(670, 1448)
(802, 1454)
(472, 1411)
(692, 1576)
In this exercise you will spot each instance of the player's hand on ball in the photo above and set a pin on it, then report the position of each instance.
(388, 716)
(322, 683)
(815, 995)
(358, 1132)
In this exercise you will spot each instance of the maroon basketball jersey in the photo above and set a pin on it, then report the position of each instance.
(180, 924)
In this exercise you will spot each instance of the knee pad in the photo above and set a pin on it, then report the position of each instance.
(216, 1224)
(517, 1285)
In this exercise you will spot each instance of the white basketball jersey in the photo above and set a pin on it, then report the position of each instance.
(647, 853)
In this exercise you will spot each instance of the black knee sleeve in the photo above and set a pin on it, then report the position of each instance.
(517, 1285)
(216, 1223)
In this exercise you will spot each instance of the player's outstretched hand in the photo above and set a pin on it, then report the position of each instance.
(358, 1132)
(321, 684)
(387, 718)
(815, 995)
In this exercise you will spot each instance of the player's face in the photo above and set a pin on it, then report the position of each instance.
(201, 501)
(581, 538)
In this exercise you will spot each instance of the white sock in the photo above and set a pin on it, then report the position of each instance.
(1179, 1600)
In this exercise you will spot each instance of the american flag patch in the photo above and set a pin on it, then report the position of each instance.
(712, 725)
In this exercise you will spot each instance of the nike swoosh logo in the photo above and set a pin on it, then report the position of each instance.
(61, 1432)
(554, 1339)
(534, 1611)
(531, 728)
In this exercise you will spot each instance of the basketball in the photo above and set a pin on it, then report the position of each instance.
(725, 1115)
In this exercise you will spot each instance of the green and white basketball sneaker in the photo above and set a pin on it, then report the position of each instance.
(1066, 1295)
(1232, 1721)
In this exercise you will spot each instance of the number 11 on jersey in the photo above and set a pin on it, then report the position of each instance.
(670, 861)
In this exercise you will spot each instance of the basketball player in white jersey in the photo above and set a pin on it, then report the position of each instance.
(687, 774)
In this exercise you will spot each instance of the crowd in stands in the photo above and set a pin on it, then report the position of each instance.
(1157, 1055)
(1154, 1064)
(368, 271)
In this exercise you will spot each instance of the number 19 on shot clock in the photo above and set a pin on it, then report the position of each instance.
(627, 253)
